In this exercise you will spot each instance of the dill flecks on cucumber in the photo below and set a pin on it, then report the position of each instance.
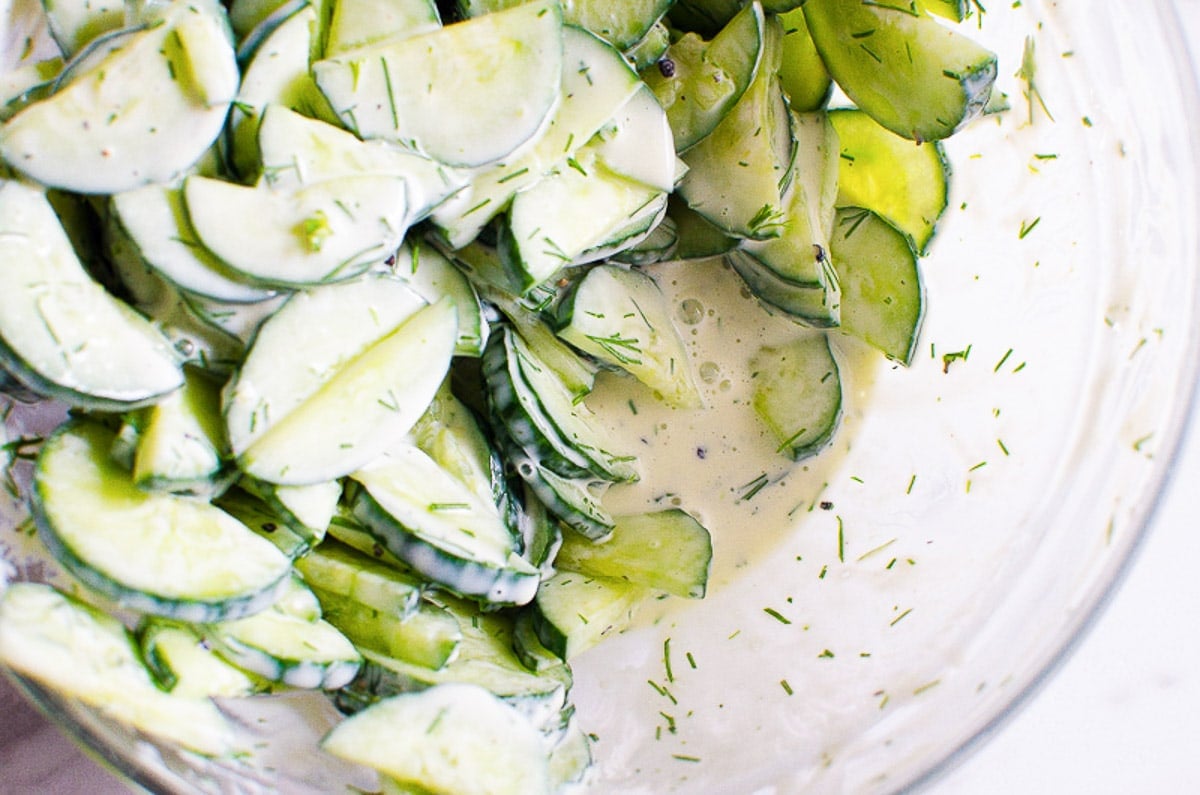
(327, 287)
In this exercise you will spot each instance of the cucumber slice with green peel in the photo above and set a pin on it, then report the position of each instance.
(570, 500)
(594, 84)
(706, 17)
(246, 15)
(155, 221)
(98, 134)
(181, 448)
(738, 172)
(801, 71)
(264, 522)
(658, 246)
(706, 79)
(467, 94)
(457, 738)
(620, 316)
(883, 300)
(82, 653)
(884, 173)
(61, 333)
(426, 517)
(325, 232)
(528, 647)
(428, 636)
(795, 270)
(432, 275)
(450, 434)
(294, 354)
(357, 23)
(571, 757)
(288, 649)
(307, 509)
(184, 665)
(157, 553)
(650, 49)
(297, 150)
(666, 551)
(573, 612)
(637, 143)
(953, 10)
(914, 76)
(334, 568)
(696, 237)
(798, 393)
(622, 24)
(74, 23)
(542, 416)
(366, 407)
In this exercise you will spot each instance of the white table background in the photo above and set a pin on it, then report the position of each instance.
(1121, 716)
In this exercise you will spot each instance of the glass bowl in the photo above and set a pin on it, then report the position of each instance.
(886, 605)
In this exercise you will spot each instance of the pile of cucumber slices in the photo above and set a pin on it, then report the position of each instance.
(326, 285)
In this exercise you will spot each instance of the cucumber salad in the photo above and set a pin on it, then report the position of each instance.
(327, 288)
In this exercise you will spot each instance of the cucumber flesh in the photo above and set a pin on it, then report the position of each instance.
(798, 393)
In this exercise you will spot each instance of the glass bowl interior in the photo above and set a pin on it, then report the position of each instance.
(883, 606)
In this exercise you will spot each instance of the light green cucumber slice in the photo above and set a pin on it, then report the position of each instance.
(620, 316)
(658, 246)
(277, 73)
(706, 79)
(795, 266)
(695, 237)
(883, 300)
(595, 82)
(573, 612)
(666, 551)
(466, 94)
(61, 333)
(292, 650)
(913, 75)
(621, 24)
(325, 232)
(74, 23)
(428, 518)
(357, 23)
(337, 569)
(648, 50)
(185, 665)
(428, 636)
(294, 355)
(572, 210)
(798, 393)
(637, 143)
(801, 71)
(157, 553)
(906, 184)
(297, 150)
(156, 224)
(571, 500)
(181, 448)
(82, 653)
(363, 410)
(307, 508)
(457, 738)
(99, 134)
(737, 173)
(953, 10)
(451, 435)
(264, 522)
(432, 276)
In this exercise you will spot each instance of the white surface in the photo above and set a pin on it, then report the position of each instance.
(1121, 716)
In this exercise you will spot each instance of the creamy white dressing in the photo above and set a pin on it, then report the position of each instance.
(720, 462)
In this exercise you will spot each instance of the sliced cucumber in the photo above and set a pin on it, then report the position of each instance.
(367, 406)
(883, 301)
(99, 134)
(696, 237)
(158, 553)
(294, 354)
(622, 24)
(339, 570)
(74, 23)
(428, 636)
(82, 653)
(882, 172)
(570, 500)
(451, 435)
(307, 509)
(573, 612)
(357, 23)
(802, 72)
(706, 79)
(291, 650)
(665, 551)
(637, 144)
(466, 94)
(621, 317)
(185, 665)
(914, 76)
(266, 523)
(457, 738)
(737, 174)
(61, 333)
(156, 223)
(798, 393)
(297, 150)
(428, 518)
(431, 275)
(650, 49)
(181, 448)
(329, 231)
